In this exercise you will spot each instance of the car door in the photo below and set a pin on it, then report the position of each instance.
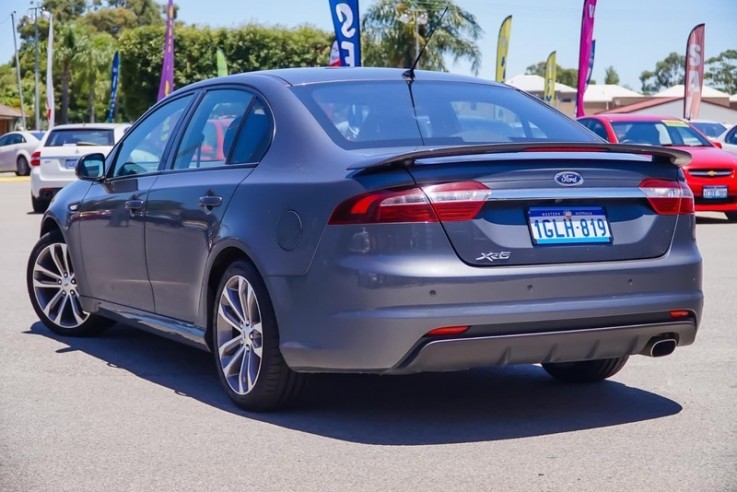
(187, 202)
(6, 160)
(112, 212)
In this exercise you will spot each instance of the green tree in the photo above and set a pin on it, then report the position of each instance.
(70, 41)
(390, 42)
(611, 76)
(93, 58)
(721, 71)
(567, 76)
(667, 73)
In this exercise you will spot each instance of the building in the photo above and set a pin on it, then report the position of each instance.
(8, 119)
(599, 98)
(565, 96)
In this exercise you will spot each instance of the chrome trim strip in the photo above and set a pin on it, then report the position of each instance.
(565, 193)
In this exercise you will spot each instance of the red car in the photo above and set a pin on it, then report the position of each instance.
(711, 175)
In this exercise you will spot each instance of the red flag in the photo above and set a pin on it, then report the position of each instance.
(694, 72)
(584, 51)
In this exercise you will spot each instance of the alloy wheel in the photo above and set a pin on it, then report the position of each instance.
(55, 287)
(239, 335)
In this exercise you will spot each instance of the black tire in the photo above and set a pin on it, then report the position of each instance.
(275, 385)
(55, 295)
(21, 166)
(589, 371)
(39, 205)
(731, 216)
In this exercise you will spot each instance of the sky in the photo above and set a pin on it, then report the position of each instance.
(631, 35)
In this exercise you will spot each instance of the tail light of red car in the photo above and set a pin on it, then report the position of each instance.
(36, 158)
(668, 197)
(447, 202)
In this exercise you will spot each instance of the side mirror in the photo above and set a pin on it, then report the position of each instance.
(91, 167)
(717, 143)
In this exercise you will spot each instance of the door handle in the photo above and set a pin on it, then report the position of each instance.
(134, 205)
(211, 201)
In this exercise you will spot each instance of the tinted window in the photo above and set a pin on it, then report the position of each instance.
(731, 137)
(380, 114)
(253, 139)
(666, 132)
(142, 149)
(708, 128)
(596, 127)
(4, 140)
(209, 135)
(79, 137)
(38, 135)
(15, 138)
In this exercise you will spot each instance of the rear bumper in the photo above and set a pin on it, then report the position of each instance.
(46, 187)
(558, 346)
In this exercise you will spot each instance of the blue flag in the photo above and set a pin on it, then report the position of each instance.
(114, 87)
(347, 31)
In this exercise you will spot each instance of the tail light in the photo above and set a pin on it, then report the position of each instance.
(447, 330)
(668, 197)
(442, 202)
(36, 158)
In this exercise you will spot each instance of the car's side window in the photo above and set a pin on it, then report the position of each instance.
(20, 139)
(209, 136)
(142, 150)
(4, 140)
(732, 136)
(599, 129)
(254, 137)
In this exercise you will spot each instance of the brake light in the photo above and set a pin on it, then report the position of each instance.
(447, 330)
(448, 202)
(36, 158)
(668, 197)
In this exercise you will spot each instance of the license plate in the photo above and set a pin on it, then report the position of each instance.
(715, 192)
(70, 163)
(576, 225)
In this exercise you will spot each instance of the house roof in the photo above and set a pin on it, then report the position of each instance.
(677, 91)
(607, 93)
(535, 83)
(8, 112)
(641, 105)
(733, 98)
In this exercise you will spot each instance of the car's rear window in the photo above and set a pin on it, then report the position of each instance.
(82, 136)
(665, 133)
(382, 114)
(38, 135)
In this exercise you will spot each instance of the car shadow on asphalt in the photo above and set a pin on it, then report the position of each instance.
(442, 408)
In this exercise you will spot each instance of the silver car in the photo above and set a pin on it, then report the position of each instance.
(374, 221)
(16, 149)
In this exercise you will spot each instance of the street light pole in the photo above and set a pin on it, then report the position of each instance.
(417, 17)
(17, 69)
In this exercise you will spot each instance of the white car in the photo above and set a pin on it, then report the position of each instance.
(53, 162)
(16, 149)
(728, 140)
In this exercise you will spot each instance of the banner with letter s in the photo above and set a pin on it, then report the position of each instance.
(694, 72)
(502, 48)
(550, 76)
(584, 51)
(347, 31)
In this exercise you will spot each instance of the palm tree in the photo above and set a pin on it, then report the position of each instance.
(66, 48)
(93, 58)
(393, 31)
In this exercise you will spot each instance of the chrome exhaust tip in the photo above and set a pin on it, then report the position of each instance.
(660, 346)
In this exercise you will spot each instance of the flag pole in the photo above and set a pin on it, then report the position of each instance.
(17, 69)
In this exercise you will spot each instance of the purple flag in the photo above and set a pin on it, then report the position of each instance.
(584, 52)
(167, 70)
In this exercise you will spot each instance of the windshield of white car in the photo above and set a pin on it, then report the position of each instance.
(80, 136)
(663, 133)
(381, 114)
(708, 128)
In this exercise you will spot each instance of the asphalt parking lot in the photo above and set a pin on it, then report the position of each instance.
(131, 411)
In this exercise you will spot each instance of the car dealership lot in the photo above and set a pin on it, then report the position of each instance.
(131, 411)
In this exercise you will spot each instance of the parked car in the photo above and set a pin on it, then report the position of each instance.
(16, 149)
(728, 140)
(52, 164)
(710, 129)
(711, 174)
(356, 223)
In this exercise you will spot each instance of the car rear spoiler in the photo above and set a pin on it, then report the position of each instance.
(659, 154)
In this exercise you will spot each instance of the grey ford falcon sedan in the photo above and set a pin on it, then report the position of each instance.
(376, 221)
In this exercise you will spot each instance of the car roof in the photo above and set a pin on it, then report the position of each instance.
(633, 117)
(316, 75)
(94, 126)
